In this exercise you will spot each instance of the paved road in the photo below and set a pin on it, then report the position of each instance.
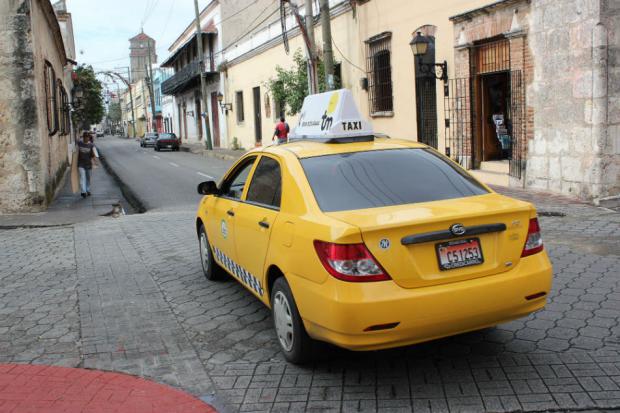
(129, 295)
(162, 180)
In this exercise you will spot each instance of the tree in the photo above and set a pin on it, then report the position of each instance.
(114, 112)
(290, 86)
(91, 108)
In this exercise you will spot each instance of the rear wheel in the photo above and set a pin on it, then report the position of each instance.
(210, 268)
(294, 341)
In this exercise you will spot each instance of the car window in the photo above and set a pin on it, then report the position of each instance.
(382, 178)
(266, 185)
(167, 136)
(233, 186)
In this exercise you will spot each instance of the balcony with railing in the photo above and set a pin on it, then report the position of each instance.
(187, 77)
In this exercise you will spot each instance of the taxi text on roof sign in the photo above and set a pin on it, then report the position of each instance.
(331, 116)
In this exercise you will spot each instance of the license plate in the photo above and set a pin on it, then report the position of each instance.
(458, 254)
(168, 146)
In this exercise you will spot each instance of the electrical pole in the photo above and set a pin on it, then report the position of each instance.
(146, 114)
(312, 75)
(328, 54)
(128, 83)
(203, 85)
(149, 73)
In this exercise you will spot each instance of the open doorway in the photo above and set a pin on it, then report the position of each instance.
(494, 140)
(198, 117)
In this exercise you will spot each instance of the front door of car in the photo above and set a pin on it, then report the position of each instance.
(221, 225)
(255, 218)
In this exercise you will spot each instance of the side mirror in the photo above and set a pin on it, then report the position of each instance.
(208, 188)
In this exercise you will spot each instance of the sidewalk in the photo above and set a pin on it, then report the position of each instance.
(28, 388)
(69, 208)
(219, 153)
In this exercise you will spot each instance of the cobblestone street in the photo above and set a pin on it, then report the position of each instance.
(132, 298)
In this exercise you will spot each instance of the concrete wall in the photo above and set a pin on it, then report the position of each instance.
(575, 98)
(32, 162)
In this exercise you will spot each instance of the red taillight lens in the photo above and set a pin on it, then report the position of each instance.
(533, 243)
(350, 262)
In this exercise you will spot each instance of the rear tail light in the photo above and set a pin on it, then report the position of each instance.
(350, 262)
(533, 243)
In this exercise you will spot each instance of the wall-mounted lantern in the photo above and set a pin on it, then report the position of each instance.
(224, 106)
(77, 94)
(419, 47)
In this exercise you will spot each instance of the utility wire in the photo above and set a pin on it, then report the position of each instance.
(345, 58)
(234, 42)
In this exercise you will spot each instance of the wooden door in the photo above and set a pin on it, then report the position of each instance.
(258, 128)
(216, 120)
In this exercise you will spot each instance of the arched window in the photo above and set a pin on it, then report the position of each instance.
(51, 98)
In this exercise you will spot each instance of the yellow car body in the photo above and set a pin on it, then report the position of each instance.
(419, 302)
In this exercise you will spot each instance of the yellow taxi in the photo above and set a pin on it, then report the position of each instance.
(368, 242)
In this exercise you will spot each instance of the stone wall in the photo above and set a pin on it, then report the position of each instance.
(610, 142)
(32, 163)
(576, 85)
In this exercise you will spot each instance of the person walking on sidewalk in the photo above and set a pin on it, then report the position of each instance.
(281, 132)
(86, 153)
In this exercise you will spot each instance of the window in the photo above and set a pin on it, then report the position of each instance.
(374, 179)
(266, 185)
(233, 186)
(239, 104)
(378, 62)
(64, 114)
(51, 102)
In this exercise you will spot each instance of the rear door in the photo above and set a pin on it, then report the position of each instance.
(255, 218)
(406, 201)
(221, 223)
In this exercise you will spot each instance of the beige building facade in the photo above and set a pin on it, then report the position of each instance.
(141, 109)
(35, 125)
(529, 100)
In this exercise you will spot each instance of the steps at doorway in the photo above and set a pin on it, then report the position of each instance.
(501, 167)
(493, 173)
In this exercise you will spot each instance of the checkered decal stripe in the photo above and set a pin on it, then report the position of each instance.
(241, 273)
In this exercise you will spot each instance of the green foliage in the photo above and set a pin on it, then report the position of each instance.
(114, 112)
(290, 86)
(91, 108)
(235, 144)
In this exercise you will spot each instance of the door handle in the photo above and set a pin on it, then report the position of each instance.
(263, 224)
(230, 212)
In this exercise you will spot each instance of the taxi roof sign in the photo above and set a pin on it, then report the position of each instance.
(331, 117)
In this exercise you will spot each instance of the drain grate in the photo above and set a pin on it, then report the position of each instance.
(551, 214)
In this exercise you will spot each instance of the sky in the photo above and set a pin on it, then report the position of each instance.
(102, 28)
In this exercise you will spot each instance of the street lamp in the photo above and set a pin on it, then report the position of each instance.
(77, 95)
(419, 47)
(224, 106)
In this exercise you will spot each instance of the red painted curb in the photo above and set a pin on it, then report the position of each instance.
(27, 388)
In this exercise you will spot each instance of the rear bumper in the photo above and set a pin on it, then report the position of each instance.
(339, 312)
(167, 145)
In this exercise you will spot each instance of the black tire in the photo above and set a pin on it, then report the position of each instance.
(210, 269)
(301, 350)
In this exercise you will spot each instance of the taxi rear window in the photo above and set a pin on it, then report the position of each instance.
(372, 179)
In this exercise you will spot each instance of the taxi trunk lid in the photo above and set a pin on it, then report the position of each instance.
(404, 239)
